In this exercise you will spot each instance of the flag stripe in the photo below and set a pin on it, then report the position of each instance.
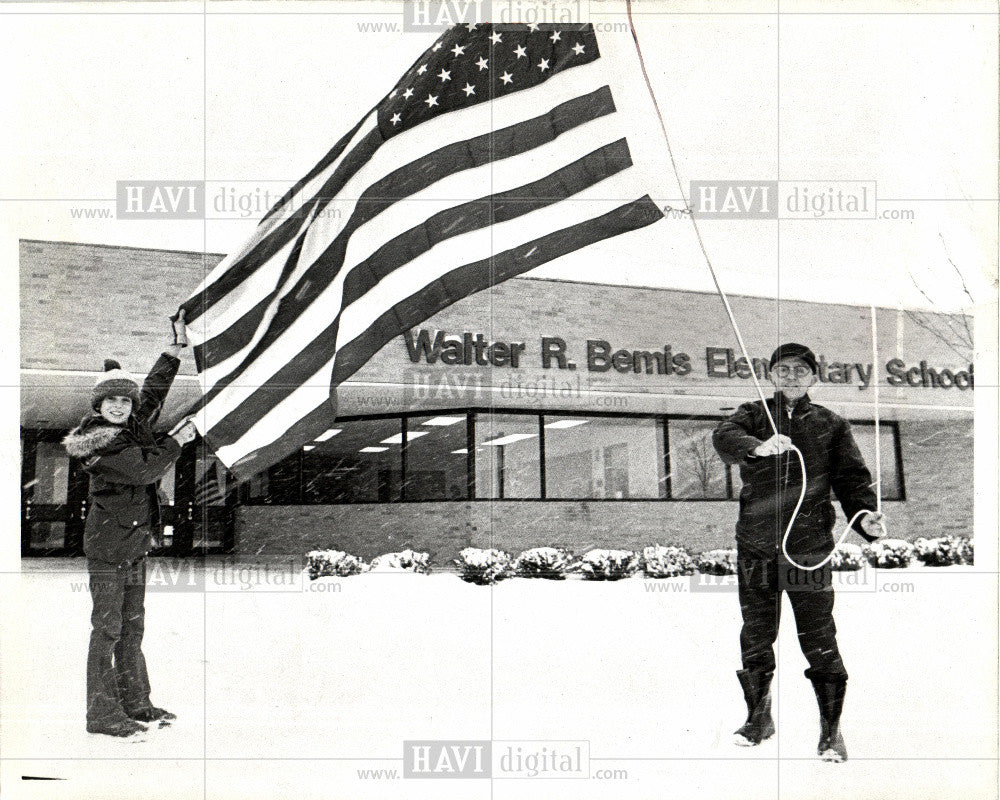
(271, 439)
(486, 272)
(266, 228)
(302, 186)
(446, 256)
(476, 215)
(265, 251)
(423, 139)
(407, 181)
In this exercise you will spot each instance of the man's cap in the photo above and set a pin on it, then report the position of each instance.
(794, 350)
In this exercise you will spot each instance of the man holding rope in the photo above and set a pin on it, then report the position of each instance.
(784, 536)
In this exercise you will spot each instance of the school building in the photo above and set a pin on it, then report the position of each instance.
(541, 412)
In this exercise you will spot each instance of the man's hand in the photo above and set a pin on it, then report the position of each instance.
(185, 433)
(873, 524)
(778, 443)
(179, 336)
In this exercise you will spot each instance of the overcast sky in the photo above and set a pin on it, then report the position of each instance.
(251, 100)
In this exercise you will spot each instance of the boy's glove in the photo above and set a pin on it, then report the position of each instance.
(180, 330)
(184, 432)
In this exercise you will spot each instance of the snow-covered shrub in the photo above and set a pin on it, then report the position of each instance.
(848, 558)
(889, 553)
(544, 562)
(716, 562)
(322, 563)
(667, 562)
(966, 550)
(942, 551)
(484, 567)
(406, 561)
(609, 565)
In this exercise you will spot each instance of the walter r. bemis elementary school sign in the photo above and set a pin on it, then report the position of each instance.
(598, 355)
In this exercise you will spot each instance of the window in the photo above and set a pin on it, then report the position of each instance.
(696, 471)
(355, 462)
(892, 478)
(436, 458)
(507, 456)
(603, 458)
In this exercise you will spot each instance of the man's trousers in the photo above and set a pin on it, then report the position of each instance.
(761, 580)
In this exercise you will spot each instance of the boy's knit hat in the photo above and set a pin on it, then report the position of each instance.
(793, 350)
(115, 382)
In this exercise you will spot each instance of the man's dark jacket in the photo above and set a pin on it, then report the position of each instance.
(771, 484)
(125, 462)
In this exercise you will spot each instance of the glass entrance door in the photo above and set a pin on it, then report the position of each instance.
(53, 496)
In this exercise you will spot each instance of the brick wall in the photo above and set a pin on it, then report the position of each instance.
(82, 303)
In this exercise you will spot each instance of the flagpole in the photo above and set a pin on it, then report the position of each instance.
(694, 223)
(878, 438)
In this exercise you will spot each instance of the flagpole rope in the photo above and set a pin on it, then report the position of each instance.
(743, 348)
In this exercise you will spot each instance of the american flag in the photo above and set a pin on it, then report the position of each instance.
(499, 150)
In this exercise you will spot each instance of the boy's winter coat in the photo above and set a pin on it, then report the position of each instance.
(125, 462)
(771, 485)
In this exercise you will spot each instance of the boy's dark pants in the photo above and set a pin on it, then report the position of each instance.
(761, 579)
(117, 682)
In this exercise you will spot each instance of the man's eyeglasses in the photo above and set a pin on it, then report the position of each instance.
(799, 370)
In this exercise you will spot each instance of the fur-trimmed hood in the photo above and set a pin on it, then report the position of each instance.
(85, 440)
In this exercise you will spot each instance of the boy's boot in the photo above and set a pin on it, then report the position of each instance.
(757, 693)
(830, 696)
(119, 726)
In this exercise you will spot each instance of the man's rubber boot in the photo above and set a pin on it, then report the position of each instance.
(116, 727)
(153, 714)
(830, 696)
(757, 692)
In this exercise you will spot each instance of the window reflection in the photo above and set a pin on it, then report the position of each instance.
(696, 471)
(603, 458)
(436, 458)
(360, 463)
(507, 456)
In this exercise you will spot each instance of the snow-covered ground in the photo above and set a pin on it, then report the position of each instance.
(292, 691)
